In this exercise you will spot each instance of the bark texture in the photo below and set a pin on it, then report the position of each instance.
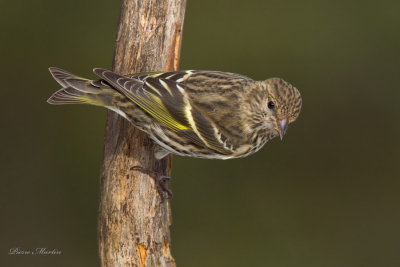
(134, 219)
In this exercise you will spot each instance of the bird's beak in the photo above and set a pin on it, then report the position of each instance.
(282, 125)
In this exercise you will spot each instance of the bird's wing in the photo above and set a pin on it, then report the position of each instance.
(163, 96)
(218, 96)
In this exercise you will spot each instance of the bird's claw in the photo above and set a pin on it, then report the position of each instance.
(161, 180)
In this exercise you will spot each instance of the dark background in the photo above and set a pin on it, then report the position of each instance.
(328, 195)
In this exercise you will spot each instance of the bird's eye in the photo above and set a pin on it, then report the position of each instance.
(271, 105)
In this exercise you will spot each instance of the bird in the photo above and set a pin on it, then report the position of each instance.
(195, 113)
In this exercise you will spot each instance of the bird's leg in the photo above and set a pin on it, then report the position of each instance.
(161, 180)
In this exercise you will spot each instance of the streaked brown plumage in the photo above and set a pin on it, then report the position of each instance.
(206, 114)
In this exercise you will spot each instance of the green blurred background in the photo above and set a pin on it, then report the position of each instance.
(328, 195)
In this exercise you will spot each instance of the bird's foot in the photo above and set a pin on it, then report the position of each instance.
(160, 179)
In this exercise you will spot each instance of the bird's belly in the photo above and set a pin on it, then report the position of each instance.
(174, 145)
(187, 150)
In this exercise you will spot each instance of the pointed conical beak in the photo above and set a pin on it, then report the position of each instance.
(283, 125)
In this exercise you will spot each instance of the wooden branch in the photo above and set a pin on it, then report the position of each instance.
(134, 220)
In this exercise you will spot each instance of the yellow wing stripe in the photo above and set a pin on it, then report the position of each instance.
(160, 112)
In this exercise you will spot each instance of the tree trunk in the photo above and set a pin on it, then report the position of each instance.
(134, 219)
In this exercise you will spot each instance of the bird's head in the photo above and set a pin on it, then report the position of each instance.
(275, 104)
(283, 104)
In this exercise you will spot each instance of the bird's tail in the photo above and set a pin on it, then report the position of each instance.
(77, 90)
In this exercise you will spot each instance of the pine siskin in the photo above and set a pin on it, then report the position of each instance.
(204, 114)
